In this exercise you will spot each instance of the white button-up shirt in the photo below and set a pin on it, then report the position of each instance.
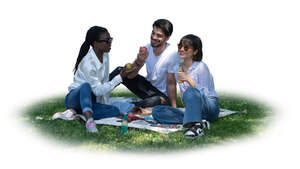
(91, 70)
(158, 67)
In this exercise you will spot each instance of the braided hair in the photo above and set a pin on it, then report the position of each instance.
(92, 35)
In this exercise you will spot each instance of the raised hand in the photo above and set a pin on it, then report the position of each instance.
(142, 55)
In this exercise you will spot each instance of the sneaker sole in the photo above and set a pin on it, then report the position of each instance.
(207, 124)
(193, 137)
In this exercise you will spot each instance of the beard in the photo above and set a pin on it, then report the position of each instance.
(156, 44)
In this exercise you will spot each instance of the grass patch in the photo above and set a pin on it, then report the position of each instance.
(252, 120)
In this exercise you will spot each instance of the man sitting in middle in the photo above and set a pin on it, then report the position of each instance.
(159, 86)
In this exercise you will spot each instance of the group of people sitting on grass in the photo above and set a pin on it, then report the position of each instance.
(166, 66)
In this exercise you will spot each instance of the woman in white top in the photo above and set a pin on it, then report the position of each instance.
(197, 88)
(89, 92)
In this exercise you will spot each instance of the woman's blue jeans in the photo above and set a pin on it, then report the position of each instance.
(82, 99)
(197, 107)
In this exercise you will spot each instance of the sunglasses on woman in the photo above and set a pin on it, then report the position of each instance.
(106, 40)
(185, 47)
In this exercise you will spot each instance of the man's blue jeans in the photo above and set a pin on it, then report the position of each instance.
(197, 107)
(82, 99)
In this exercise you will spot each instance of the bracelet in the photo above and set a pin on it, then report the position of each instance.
(137, 63)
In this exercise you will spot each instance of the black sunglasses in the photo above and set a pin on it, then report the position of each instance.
(185, 47)
(106, 40)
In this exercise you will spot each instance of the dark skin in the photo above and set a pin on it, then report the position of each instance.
(104, 47)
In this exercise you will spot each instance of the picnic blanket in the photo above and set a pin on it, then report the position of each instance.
(147, 122)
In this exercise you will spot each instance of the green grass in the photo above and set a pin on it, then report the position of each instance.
(252, 119)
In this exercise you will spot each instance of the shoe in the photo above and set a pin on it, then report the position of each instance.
(205, 124)
(195, 131)
(91, 126)
(69, 114)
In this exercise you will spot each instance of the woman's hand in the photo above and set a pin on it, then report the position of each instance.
(127, 70)
(182, 76)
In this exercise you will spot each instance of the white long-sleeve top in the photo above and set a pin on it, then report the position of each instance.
(91, 70)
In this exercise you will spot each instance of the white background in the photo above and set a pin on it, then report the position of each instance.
(251, 48)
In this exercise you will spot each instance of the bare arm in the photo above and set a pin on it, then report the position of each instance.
(137, 65)
(139, 62)
(171, 89)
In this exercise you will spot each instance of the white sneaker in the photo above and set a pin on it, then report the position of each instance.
(69, 114)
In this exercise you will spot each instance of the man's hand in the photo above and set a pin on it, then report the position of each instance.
(139, 62)
(142, 55)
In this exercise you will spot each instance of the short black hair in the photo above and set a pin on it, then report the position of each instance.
(165, 25)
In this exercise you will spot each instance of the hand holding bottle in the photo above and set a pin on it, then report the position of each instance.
(182, 77)
(180, 70)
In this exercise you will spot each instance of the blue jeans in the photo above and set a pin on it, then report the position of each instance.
(197, 107)
(82, 99)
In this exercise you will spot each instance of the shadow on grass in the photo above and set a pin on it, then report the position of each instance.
(253, 118)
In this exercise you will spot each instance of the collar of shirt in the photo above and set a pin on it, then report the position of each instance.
(151, 52)
(98, 64)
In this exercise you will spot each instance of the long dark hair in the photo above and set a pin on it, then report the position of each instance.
(92, 35)
(196, 43)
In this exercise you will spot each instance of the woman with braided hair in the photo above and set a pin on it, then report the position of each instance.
(89, 92)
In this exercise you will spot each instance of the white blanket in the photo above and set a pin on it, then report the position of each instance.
(141, 124)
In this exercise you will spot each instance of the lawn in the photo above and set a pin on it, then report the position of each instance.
(253, 118)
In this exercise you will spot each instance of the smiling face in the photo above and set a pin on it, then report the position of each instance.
(186, 50)
(103, 43)
(158, 38)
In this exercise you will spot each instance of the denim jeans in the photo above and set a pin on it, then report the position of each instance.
(197, 107)
(124, 107)
(82, 99)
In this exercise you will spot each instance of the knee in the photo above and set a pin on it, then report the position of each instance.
(191, 93)
(117, 70)
(85, 86)
(115, 111)
(156, 111)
